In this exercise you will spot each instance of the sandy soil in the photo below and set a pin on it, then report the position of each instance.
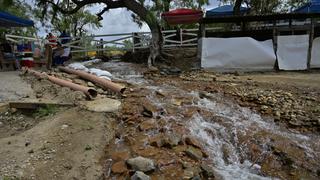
(65, 144)
(68, 145)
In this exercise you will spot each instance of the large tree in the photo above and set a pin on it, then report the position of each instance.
(147, 11)
(137, 7)
(77, 23)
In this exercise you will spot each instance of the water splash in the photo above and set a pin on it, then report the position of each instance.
(221, 131)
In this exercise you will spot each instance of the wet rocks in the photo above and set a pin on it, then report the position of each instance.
(119, 167)
(147, 125)
(192, 141)
(156, 141)
(148, 109)
(138, 175)
(171, 140)
(141, 164)
(207, 170)
(194, 153)
(120, 156)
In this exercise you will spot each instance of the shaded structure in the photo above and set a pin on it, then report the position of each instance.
(226, 10)
(311, 7)
(10, 20)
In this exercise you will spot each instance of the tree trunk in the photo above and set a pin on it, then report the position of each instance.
(150, 19)
(237, 6)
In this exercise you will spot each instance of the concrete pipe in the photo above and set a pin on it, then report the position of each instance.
(104, 83)
(90, 92)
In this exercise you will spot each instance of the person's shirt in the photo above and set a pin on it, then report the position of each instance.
(52, 40)
(6, 47)
(66, 52)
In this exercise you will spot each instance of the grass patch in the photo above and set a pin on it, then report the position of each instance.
(45, 111)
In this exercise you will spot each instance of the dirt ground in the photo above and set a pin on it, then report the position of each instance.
(155, 122)
(63, 143)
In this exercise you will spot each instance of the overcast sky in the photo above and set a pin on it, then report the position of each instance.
(119, 20)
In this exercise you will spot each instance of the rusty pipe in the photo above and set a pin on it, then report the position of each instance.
(90, 92)
(104, 83)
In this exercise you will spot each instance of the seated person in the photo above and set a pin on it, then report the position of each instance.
(8, 53)
(60, 55)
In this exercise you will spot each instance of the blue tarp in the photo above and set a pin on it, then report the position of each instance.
(311, 7)
(225, 10)
(9, 20)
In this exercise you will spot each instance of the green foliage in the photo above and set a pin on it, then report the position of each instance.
(269, 6)
(21, 9)
(46, 111)
(78, 23)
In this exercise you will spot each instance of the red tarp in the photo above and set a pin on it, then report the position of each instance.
(182, 16)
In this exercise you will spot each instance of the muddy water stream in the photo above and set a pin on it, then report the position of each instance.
(240, 142)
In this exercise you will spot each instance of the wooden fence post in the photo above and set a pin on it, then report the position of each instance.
(311, 35)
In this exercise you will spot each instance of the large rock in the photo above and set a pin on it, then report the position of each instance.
(120, 156)
(102, 105)
(141, 164)
(140, 176)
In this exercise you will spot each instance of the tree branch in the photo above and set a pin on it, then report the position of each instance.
(79, 5)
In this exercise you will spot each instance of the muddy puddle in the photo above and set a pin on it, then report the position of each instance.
(241, 144)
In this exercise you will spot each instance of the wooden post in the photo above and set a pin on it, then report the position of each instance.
(181, 37)
(48, 56)
(275, 44)
(202, 30)
(202, 34)
(311, 35)
(133, 43)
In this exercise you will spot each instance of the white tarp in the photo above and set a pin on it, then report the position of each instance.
(243, 53)
(315, 56)
(292, 52)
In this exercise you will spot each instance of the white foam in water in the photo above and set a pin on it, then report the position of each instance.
(232, 169)
(217, 134)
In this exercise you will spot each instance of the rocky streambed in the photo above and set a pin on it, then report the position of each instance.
(202, 126)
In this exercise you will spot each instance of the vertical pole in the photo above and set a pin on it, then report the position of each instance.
(311, 35)
(202, 35)
(133, 45)
(202, 30)
(275, 44)
(48, 56)
(181, 36)
(85, 45)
